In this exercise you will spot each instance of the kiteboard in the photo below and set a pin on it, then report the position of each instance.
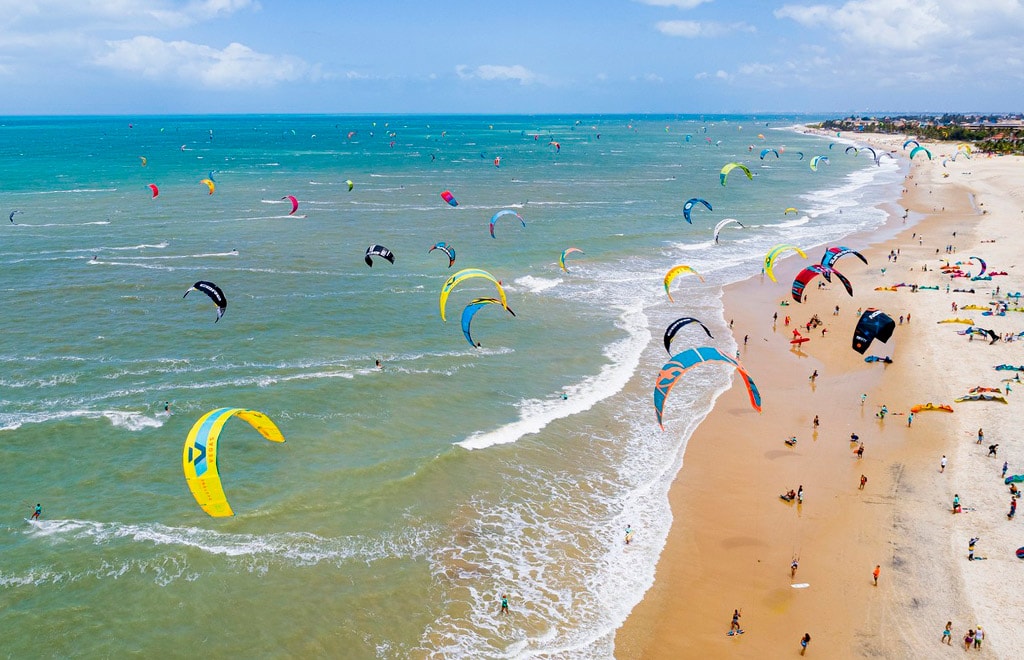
(800, 585)
(732, 633)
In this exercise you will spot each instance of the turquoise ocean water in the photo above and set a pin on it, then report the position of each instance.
(405, 500)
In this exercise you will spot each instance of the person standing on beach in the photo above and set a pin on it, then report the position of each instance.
(804, 641)
(793, 566)
(979, 637)
(981, 436)
(1013, 508)
(942, 464)
(875, 573)
(504, 603)
(38, 512)
(863, 481)
(910, 419)
(629, 534)
(863, 398)
(956, 503)
(970, 548)
(800, 494)
(947, 634)
(860, 451)
(816, 422)
(1006, 466)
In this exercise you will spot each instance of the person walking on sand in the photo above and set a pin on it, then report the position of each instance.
(910, 419)
(804, 641)
(863, 398)
(863, 481)
(816, 422)
(800, 494)
(956, 503)
(979, 637)
(629, 534)
(947, 634)
(1013, 508)
(942, 464)
(981, 436)
(875, 573)
(860, 451)
(793, 566)
(38, 512)
(1006, 466)
(968, 640)
(504, 603)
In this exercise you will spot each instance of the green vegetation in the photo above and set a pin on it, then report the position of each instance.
(1000, 134)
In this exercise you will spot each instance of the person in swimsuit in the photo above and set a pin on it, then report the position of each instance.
(504, 603)
(735, 621)
(947, 634)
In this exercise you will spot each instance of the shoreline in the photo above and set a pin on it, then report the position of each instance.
(732, 540)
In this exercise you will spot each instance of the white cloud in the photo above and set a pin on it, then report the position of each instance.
(723, 75)
(910, 25)
(648, 78)
(497, 72)
(235, 66)
(43, 15)
(679, 4)
(693, 29)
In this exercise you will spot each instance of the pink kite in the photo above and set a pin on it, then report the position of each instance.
(295, 203)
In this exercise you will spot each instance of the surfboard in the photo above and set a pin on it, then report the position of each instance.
(800, 585)
(799, 340)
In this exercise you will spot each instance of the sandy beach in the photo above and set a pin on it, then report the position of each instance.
(733, 539)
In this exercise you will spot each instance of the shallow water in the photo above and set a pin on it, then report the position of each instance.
(405, 500)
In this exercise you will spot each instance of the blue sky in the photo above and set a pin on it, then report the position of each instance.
(525, 56)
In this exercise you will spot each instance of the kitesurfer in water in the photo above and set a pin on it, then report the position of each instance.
(504, 603)
(379, 365)
(38, 512)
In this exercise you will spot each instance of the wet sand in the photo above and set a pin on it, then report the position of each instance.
(733, 539)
